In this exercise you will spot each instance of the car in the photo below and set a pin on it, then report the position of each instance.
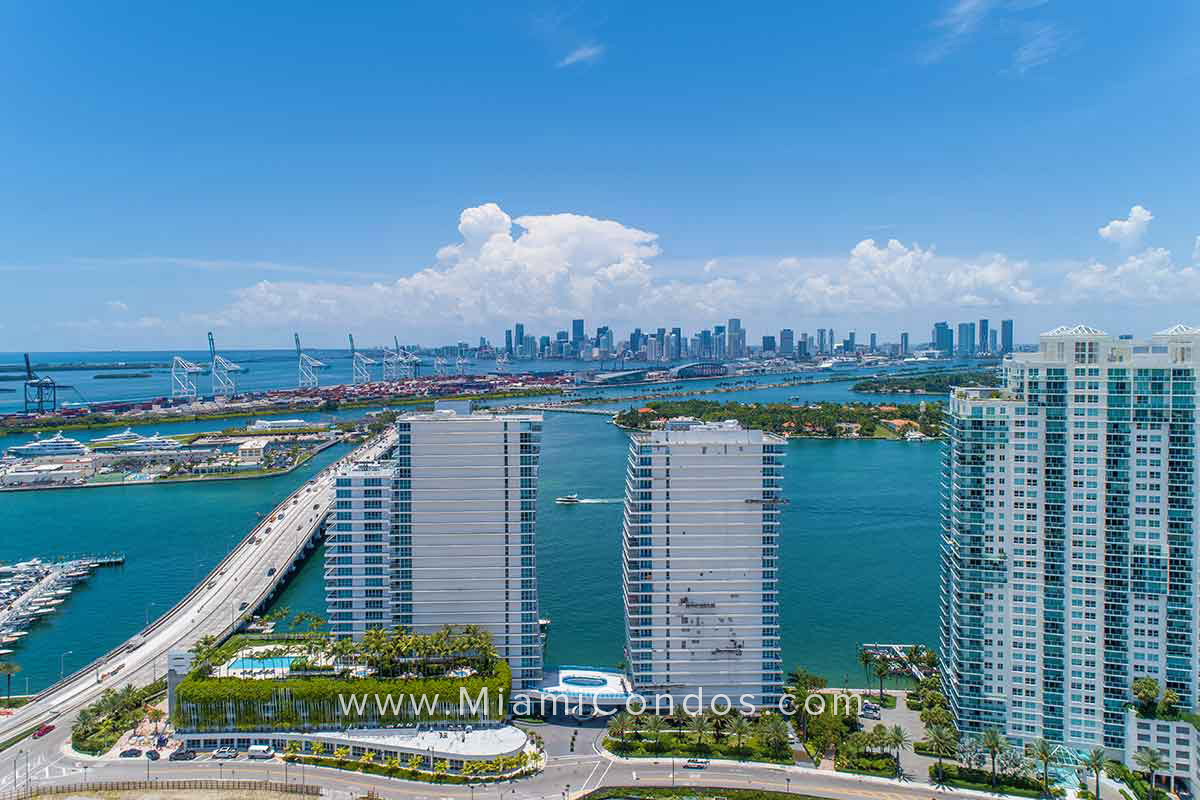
(270, 571)
(42, 731)
(225, 752)
(152, 755)
(132, 752)
(696, 763)
(182, 755)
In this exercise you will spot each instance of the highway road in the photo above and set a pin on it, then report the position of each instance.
(566, 774)
(213, 608)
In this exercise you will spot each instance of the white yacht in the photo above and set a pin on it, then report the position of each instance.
(155, 442)
(125, 437)
(56, 445)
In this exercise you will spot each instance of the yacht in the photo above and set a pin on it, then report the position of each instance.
(155, 442)
(125, 437)
(56, 445)
(568, 499)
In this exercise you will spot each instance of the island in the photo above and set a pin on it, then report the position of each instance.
(910, 422)
(936, 383)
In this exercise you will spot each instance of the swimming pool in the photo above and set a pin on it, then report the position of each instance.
(581, 680)
(279, 662)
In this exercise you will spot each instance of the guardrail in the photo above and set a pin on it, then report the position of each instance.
(176, 785)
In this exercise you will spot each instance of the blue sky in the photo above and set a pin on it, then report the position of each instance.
(437, 171)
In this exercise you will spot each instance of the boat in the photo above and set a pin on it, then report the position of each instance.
(155, 442)
(56, 445)
(125, 437)
(567, 499)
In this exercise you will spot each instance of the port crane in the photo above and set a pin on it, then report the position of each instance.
(307, 368)
(361, 364)
(502, 364)
(182, 385)
(40, 392)
(439, 366)
(223, 384)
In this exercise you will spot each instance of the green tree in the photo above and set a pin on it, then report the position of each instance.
(943, 741)
(654, 726)
(1095, 762)
(618, 726)
(318, 749)
(698, 724)
(340, 754)
(994, 744)
(415, 761)
(1168, 705)
(291, 750)
(8, 669)
(740, 728)
(1146, 691)
(883, 668)
(1043, 752)
(1151, 762)
(867, 659)
(441, 767)
(898, 740)
(365, 760)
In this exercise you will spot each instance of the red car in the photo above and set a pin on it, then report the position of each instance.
(42, 731)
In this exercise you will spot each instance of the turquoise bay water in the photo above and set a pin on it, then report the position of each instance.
(859, 548)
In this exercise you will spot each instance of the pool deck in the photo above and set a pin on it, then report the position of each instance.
(592, 684)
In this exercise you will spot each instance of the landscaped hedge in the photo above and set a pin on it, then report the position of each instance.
(206, 703)
(881, 764)
(967, 778)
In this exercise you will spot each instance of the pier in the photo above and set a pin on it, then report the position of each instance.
(244, 581)
(896, 654)
(565, 410)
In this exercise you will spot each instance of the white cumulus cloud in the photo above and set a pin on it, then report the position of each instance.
(116, 305)
(1147, 277)
(545, 269)
(1127, 232)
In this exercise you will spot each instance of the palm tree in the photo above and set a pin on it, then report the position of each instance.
(156, 715)
(741, 728)
(341, 754)
(898, 740)
(318, 749)
(415, 761)
(773, 732)
(1095, 762)
(1043, 751)
(291, 750)
(365, 759)
(654, 726)
(883, 668)
(393, 765)
(619, 725)
(943, 741)
(867, 659)
(8, 669)
(698, 725)
(1151, 761)
(994, 744)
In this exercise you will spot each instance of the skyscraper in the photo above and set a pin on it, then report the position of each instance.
(904, 344)
(768, 344)
(983, 336)
(700, 551)
(787, 342)
(874, 342)
(943, 339)
(443, 534)
(993, 342)
(1006, 336)
(519, 339)
(966, 339)
(508, 342)
(1068, 552)
(577, 330)
(820, 340)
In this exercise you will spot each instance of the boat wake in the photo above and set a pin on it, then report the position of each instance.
(601, 500)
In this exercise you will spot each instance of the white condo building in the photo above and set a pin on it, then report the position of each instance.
(700, 551)
(1068, 549)
(443, 534)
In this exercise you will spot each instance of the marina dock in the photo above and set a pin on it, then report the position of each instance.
(35, 589)
(898, 655)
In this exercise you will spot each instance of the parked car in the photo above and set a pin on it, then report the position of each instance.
(182, 755)
(42, 731)
(696, 763)
(132, 752)
(152, 755)
(225, 752)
